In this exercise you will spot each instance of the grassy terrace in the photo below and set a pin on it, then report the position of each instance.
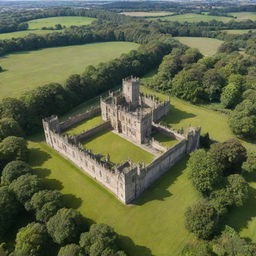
(207, 46)
(165, 140)
(119, 149)
(27, 70)
(153, 225)
(67, 21)
(85, 125)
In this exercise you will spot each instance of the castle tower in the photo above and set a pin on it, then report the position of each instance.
(131, 90)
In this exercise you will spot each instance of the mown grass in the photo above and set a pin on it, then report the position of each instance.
(238, 31)
(146, 14)
(244, 15)
(192, 17)
(85, 125)
(27, 70)
(67, 21)
(165, 140)
(207, 46)
(118, 149)
(153, 225)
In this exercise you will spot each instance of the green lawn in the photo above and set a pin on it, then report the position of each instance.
(207, 46)
(244, 15)
(238, 31)
(192, 17)
(27, 70)
(119, 149)
(18, 34)
(154, 225)
(165, 140)
(146, 14)
(85, 125)
(64, 21)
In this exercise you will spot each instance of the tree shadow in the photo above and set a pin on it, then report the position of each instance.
(71, 201)
(159, 190)
(42, 172)
(249, 176)
(127, 244)
(53, 184)
(37, 157)
(239, 217)
(175, 115)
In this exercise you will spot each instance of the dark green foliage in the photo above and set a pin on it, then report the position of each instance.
(243, 119)
(100, 240)
(228, 47)
(13, 148)
(230, 243)
(71, 250)
(25, 187)
(230, 155)
(206, 173)
(231, 96)
(14, 170)
(32, 240)
(9, 127)
(9, 210)
(202, 219)
(198, 248)
(46, 203)
(205, 141)
(250, 164)
(66, 226)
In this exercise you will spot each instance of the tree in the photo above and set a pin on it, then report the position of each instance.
(206, 173)
(250, 164)
(71, 250)
(14, 170)
(231, 96)
(9, 127)
(230, 243)
(13, 148)
(9, 210)
(202, 219)
(66, 226)
(25, 187)
(32, 240)
(198, 248)
(230, 155)
(46, 203)
(227, 47)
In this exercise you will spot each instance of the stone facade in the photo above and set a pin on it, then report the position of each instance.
(134, 115)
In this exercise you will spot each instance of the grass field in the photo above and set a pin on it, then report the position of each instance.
(18, 34)
(207, 46)
(119, 149)
(244, 15)
(192, 17)
(67, 21)
(146, 14)
(165, 140)
(154, 225)
(27, 70)
(238, 31)
(85, 125)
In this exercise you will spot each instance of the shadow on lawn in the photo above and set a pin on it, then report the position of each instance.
(176, 115)
(37, 157)
(238, 218)
(160, 189)
(72, 201)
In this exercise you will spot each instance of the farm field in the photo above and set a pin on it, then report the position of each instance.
(27, 70)
(146, 14)
(238, 31)
(207, 46)
(63, 20)
(192, 17)
(119, 149)
(142, 233)
(244, 15)
(24, 33)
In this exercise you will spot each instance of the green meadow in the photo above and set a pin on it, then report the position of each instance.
(192, 17)
(238, 31)
(207, 46)
(244, 15)
(67, 21)
(24, 33)
(154, 224)
(146, 14)
(27, 70)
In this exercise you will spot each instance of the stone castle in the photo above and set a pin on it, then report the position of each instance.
(135, 117)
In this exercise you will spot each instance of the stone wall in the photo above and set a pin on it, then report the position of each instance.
(168, 132)
(65, 125)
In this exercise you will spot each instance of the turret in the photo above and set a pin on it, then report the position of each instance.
(131, 90)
